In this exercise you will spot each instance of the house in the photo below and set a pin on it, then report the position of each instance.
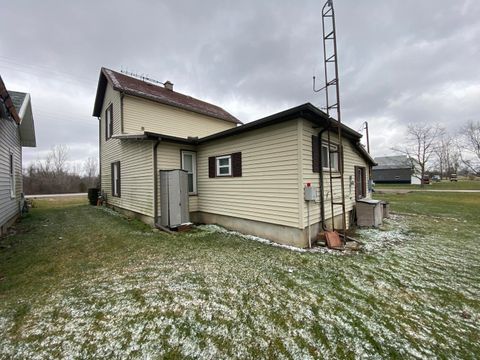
(16, 130)
(399, 169)
(248, 178)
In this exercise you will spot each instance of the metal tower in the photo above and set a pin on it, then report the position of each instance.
(332, 98)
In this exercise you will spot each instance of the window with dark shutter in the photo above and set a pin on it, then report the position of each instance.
(109, 122)
(237, 164)
(315, 154)
(211, 167)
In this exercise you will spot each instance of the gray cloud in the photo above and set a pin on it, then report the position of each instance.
(400, 61)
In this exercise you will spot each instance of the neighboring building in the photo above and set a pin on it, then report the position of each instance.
(249, 178)
(16, 130)
(396, 170)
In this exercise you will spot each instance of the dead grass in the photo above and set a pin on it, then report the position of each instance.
(81, 283)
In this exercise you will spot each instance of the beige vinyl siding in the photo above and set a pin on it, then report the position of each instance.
(167, 120)
(351, 159)
(136, 163)
(168, 158)
(9, 143)
(268, 188)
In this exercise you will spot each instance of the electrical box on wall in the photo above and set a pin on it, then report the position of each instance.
(310, 192)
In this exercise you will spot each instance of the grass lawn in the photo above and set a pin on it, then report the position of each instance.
(443, 185)
(82, 282)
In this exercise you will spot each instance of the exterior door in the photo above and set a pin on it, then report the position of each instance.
(360, 182)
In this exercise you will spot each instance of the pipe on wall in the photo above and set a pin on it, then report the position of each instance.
(322, 202)
(155, 183)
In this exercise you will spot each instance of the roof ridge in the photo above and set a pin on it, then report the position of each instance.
(137, 87)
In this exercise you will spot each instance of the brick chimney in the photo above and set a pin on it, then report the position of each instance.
(168, 85)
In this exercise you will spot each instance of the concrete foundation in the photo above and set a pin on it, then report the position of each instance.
(135, 215)
(285, 235)
(8, 224)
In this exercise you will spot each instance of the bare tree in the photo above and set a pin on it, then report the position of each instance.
(470, 145)
(421, 144)
(90, 167)
(58, 157)
(448, 155)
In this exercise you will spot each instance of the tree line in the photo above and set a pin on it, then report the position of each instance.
(435, 151)
(54, 175)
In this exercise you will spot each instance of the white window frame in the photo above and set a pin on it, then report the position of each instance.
(109, 121)
(336, 161)
(116, 175)
(194, 169)
(218, 166)
(11, 171)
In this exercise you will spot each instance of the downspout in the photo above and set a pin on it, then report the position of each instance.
(100, 151)
(122, 95)
(322, 202)
(155, 183)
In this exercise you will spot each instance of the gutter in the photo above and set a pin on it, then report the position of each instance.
(23, 108)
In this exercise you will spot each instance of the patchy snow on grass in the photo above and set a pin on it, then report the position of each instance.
(222, 230)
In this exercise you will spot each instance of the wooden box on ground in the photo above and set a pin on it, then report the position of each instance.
(369, 212)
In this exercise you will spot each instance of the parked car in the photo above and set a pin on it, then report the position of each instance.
(453, 177)
(436, 178)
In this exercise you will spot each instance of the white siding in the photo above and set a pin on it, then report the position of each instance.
(351, 159)
(167, 120)
(268, 188)
(9, 143)
(136, 163)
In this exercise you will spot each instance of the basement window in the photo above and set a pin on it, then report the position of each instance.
(224, 165)
(330, 156)
(189, 164)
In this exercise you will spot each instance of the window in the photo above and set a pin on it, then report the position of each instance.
(12, 175)
(330, 156)
(224, 165)
(116, 179)
(189, 164)
(109, 122)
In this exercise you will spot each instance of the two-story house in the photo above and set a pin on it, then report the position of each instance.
(248, 178)
(16, 130)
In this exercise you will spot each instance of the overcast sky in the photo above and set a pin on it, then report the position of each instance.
(401, 61)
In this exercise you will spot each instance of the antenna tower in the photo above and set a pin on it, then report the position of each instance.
(334, 130)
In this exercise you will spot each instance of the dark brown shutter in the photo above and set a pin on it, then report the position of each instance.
(211, 167)
(237, 164)
(110, 122)
(315, 154)
(119, 177)
(112, 170)
(106, 126)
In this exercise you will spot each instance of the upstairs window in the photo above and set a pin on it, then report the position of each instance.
(189, 164)
(116, 179)
(109, 122)
(11, 174)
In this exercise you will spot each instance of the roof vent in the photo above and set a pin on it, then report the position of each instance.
(168, 85)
